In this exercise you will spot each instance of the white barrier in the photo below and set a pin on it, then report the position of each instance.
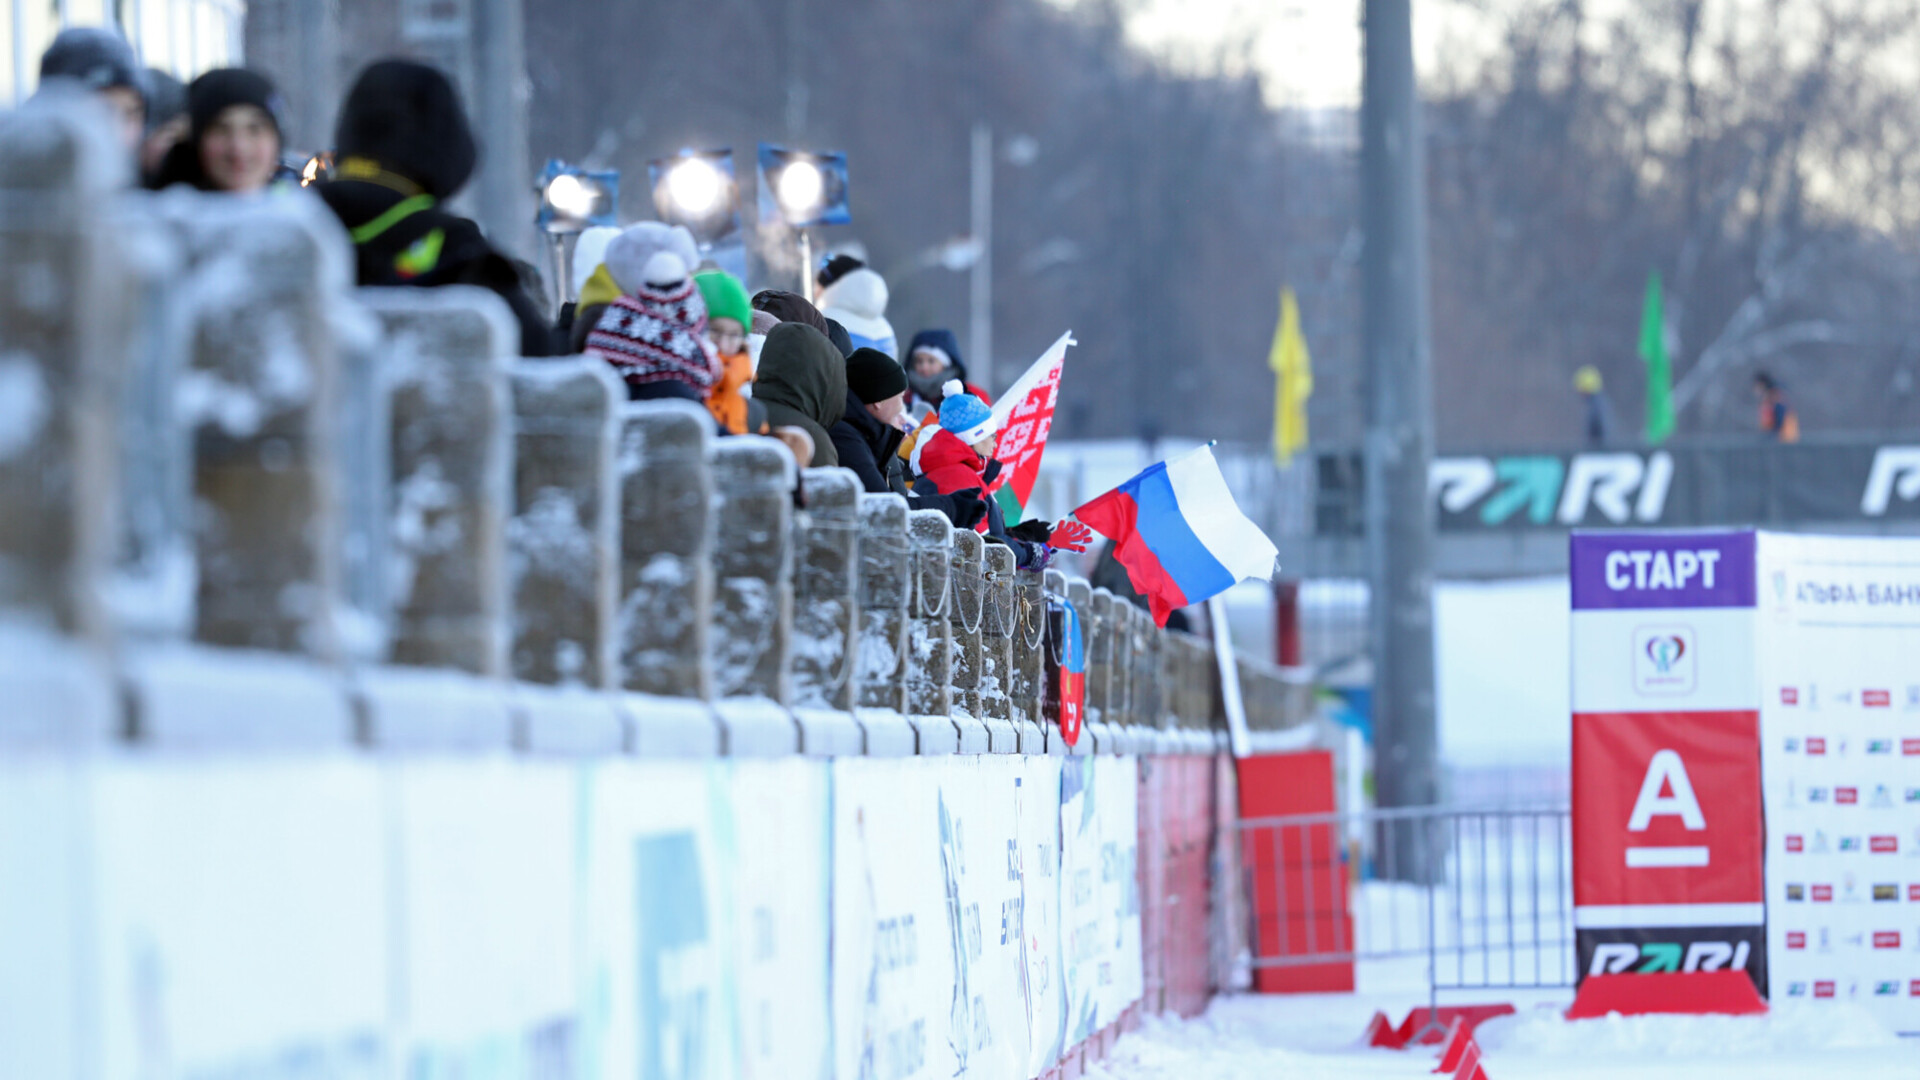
(503, 917)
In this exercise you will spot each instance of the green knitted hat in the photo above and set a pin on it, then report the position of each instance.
(726, 298)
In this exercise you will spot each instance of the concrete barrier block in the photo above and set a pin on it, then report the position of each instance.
(262, 396)
(887, 733)
(182, 696)
(671, 727)
(664, 626)
(563, 539)
(826, 600)
(446, 362)
(568, 721)
(885, 593)
(930, 641)
(419, 709)
(756, 727)
(996, 672)
(753, 562)
(59, 691)
(58, 327)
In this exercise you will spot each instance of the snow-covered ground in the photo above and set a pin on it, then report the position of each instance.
(1315, 1036)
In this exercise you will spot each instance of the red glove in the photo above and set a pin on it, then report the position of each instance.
(1070, 535)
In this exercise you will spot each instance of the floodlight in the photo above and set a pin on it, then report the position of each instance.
(696, 188)
(572, 199)
(803, 188)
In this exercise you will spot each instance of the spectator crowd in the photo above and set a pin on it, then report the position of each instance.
(825, 377)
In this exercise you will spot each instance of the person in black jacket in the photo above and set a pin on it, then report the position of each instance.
(403, 146)
(868, 436)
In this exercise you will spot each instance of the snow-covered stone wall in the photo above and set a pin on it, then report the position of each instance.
(374, 702)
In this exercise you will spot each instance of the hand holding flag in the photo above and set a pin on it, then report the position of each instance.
(1179, 534)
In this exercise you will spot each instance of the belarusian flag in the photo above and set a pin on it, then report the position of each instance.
(1025, 415)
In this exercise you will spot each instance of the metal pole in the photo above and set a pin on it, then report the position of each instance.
(497, 69)
(806, 265)
(1399, 438)
(980, 327)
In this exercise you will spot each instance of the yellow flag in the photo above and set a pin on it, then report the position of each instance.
(1293, 371)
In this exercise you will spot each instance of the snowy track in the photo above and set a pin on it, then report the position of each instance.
(1311, 1037)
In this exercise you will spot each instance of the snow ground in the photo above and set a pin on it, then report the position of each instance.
(1316, 1037)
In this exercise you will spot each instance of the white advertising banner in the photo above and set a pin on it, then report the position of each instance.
(895, 1011)
(981, 802)
(486, 932)
(656, 1001)
(1044, 966)
(774, 839)
(43, 906)
(1122, 981)
(1091, 790)
(242, 917)
(1839, 653)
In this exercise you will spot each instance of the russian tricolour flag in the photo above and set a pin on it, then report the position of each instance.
(1176, 529)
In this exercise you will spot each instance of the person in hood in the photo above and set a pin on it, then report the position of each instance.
(933, 360)
(790, 307)
(803, 383)
(654, 332)
(402, 148)
(729, 317)
(233, 135)
(101, 62)
(856, 297)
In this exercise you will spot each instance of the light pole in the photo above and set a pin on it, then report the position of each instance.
(1399, 436)
(980, 321)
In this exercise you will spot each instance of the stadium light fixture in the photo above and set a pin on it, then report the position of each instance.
(696, 188)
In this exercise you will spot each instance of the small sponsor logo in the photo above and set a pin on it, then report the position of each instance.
(1818, 795)
(1797, 893)
(1913, 988)
(1823, 988)
(1886, 939)
(1793, 744)
(1816, 745)
(1882, 797)
(1796, 939)
(1910, 747)
(1884, 845)
(1885, 892)
(1796, 843)
(1879, 746)
(1846, 796)
(1799, 989)
(1913, 794)
(1913, 892)
(1876, 699)
(1823, 894)
(1664, 660)
(1887, 988)
(1849, 843)
(1789, 695)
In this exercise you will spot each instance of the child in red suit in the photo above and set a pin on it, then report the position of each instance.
(955, 453)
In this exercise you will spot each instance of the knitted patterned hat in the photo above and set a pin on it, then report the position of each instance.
(657, 335)
(964, 415)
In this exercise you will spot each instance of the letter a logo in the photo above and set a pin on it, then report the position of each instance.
(1666, 771)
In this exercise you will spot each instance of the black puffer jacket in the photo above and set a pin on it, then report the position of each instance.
(404, 146)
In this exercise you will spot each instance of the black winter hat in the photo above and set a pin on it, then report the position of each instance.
(98, 58)
(836, 268)
(222, 88)
(840, 338)
(407, 118)
(874, 376)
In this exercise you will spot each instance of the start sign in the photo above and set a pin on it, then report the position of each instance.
(1669, 840)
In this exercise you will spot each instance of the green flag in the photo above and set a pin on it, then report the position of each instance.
(1653, 350)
